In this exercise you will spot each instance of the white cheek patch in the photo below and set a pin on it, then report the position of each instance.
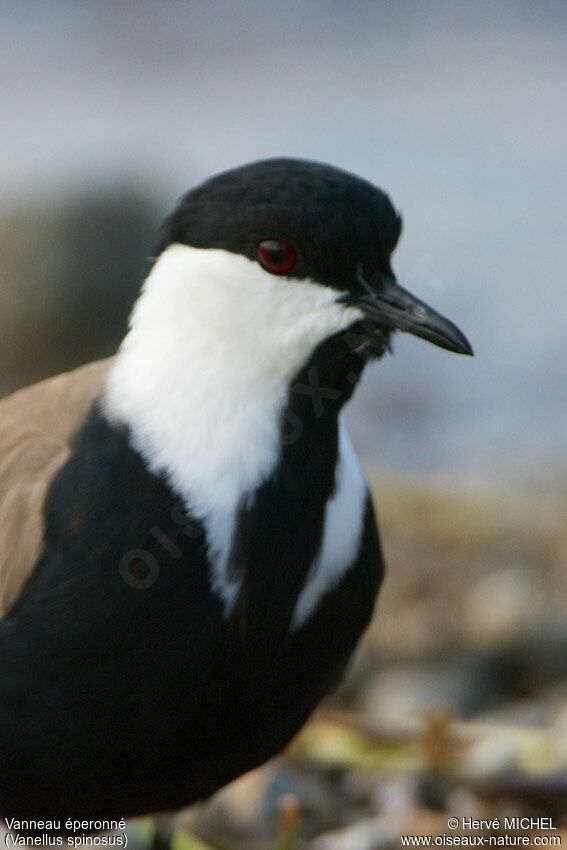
(202, 377)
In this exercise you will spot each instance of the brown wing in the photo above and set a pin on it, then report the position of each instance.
(36, 427)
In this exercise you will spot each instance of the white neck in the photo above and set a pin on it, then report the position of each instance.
(203, 373)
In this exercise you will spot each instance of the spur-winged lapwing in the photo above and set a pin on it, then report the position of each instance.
(188, 549)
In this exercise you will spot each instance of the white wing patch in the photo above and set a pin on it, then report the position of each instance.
(342, 534)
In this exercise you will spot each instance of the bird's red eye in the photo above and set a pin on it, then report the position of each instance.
(277, 257)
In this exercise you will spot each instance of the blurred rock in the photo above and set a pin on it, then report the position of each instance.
(407, 691)
(503, 605)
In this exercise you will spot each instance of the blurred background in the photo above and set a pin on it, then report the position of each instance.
(111, 110)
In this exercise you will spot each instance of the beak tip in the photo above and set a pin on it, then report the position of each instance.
(465, 348)
(463, 345)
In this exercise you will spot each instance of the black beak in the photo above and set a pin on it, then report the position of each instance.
(392, 307)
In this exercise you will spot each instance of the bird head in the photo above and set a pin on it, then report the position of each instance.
(272, 287)
(287, 239)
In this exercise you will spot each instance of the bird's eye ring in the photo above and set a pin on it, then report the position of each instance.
(276, 257)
